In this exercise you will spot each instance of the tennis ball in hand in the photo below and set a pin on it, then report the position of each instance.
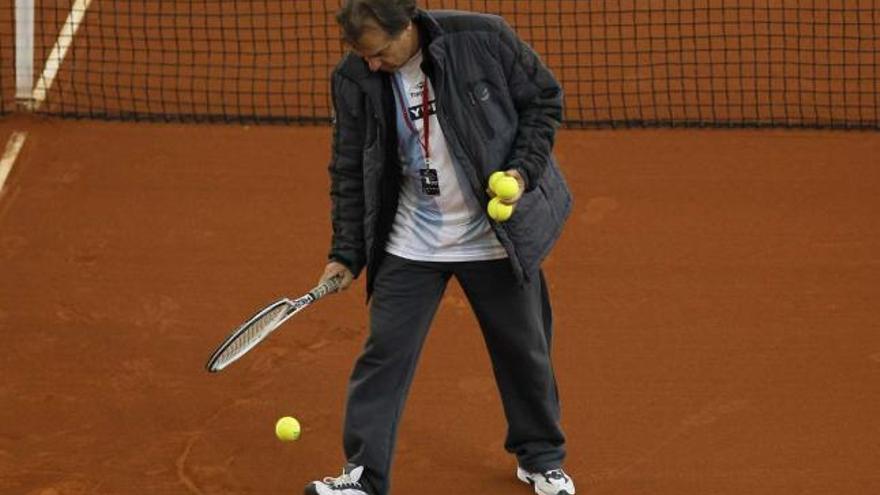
(499, 211)
(506, 187)
(494, 178)
(287, 429)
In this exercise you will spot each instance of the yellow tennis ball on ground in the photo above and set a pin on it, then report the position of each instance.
(506, 187)
(287, 429)
(499, 211)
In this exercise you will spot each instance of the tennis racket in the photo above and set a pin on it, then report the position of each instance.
(266, 321)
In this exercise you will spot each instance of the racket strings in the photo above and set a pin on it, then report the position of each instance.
(251, 334)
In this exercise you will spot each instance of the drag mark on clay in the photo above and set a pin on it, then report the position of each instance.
(67, 487)
(180, 463)
(87, 254)
(138, 373)
(69, 173)
(158, 312)
(268, 358)
(70, 313)
(193, 437)
(307, 349)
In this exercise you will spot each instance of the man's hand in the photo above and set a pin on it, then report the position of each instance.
(520, 182)
(335, 268)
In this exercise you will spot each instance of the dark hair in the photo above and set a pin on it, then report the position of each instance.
(393, 16)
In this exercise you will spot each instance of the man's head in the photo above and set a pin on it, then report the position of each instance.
(380, 31)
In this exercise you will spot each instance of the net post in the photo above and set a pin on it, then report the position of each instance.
(24, 53)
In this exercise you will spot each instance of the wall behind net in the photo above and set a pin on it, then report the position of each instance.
(719, 63)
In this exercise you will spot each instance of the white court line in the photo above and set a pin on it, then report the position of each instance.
(13, 146)
(59, 51)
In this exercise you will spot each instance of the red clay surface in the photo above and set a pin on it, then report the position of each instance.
(715, 296)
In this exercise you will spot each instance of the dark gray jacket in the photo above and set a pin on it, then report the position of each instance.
(499, 107)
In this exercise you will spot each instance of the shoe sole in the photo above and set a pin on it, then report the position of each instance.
(312, 489)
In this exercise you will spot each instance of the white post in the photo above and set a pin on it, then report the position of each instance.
(24, 52)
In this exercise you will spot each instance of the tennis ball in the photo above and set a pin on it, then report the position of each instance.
(499, 211)
(494, 178)
(506, 187)
(287, 429)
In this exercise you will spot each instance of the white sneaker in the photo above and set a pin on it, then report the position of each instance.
(552, 482)
(347, 484)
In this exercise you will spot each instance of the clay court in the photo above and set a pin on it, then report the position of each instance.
(715, 303)
(717, 325)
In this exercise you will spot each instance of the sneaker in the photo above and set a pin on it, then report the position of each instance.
(347, 484)
(552, 482)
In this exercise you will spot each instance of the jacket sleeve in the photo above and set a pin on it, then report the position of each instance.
(346, 175)
(537, 97)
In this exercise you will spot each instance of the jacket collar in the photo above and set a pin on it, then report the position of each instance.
(430, 30)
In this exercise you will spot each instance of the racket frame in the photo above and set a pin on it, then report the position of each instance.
(294, 307)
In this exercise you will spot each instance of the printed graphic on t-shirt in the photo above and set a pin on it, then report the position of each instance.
(415, 111)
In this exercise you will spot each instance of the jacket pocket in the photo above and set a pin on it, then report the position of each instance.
(478, 96)
(538, 218)
(531, 228)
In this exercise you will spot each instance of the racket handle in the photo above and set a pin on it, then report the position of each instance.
(326, 287)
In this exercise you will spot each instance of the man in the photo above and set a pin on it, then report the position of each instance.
(427, 106)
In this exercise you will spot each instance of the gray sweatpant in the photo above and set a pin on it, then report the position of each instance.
(516, 321)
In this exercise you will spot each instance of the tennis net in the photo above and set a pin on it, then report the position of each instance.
(627, 63)
(7, 59)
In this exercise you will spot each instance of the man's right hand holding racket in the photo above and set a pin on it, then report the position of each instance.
(335, 268)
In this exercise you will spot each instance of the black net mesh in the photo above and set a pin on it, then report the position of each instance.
(7, 58)
(719, 63)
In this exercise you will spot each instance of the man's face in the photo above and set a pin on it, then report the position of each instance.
(384, 52)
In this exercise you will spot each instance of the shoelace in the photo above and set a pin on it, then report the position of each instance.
(343, 481)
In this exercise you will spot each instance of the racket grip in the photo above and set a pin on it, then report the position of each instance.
(326, 287)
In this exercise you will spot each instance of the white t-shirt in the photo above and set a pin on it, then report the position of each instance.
(451, 225)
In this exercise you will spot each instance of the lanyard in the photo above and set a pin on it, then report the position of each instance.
(426, 146)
